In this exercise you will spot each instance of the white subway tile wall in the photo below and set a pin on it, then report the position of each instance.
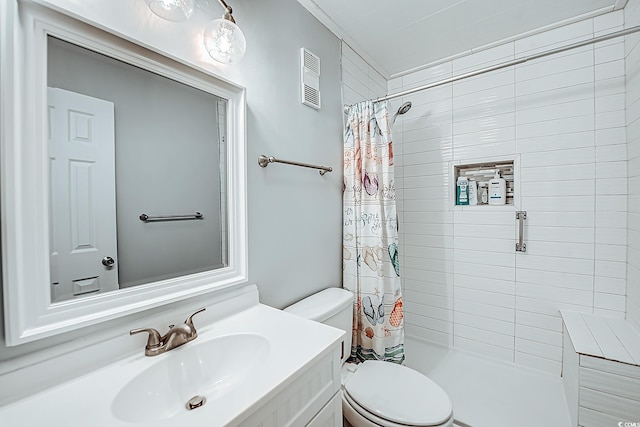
(608, 392)
(564, 117)
(632, 60)
(359, 80)
(568, 118)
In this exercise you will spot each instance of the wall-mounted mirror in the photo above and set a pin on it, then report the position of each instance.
(123, 179)
(137, 165)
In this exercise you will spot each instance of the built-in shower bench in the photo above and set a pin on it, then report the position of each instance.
(600, 370)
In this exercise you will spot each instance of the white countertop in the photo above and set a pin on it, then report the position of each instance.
(294, 344)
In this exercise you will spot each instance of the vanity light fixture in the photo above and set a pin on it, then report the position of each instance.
(172, 10)
(223, 39)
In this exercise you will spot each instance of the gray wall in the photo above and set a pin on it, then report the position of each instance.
(167, 162)
(294, 214)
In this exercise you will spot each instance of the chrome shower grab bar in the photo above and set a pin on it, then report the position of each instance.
(264, 161)
(147, 218)
(520, 245)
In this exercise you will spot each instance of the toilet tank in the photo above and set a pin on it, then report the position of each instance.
(333, 307)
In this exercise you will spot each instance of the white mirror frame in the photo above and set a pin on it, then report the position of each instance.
(29, 314)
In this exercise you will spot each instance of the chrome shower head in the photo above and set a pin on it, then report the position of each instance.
(402, 110)
(404, 107)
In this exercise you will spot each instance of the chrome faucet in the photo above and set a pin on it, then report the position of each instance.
(175, 337)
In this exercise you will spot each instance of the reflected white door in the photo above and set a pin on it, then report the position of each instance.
(83, 196)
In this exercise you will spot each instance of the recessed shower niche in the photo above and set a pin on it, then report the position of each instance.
(484, 183)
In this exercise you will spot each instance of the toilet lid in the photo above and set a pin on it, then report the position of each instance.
(398, 394)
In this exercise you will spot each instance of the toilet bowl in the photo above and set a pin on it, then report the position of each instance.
(377, 393)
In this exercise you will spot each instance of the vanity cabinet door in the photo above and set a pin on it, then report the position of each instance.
(330, 415)
(303, 398)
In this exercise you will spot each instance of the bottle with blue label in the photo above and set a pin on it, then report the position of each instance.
(462, 193)
(497, 190)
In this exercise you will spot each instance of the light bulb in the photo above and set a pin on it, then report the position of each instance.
(224, 41)
(172, 10)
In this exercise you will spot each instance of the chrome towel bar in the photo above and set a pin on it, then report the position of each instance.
(264, 161)
(147, 218)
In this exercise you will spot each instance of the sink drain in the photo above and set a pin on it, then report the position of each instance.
(196, 402)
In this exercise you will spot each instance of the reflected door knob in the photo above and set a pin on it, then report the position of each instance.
(108, 261)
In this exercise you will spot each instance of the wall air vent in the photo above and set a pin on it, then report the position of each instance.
(310, 79)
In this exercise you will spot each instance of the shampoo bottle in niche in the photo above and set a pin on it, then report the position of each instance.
(473, 192)
(483, 189)
(462, 193)
(497, 190)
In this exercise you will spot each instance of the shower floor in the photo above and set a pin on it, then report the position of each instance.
(488, 393)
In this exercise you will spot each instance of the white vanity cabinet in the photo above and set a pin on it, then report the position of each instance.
(310, 398)
(260, 367)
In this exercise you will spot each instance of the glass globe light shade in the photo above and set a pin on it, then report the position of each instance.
(172, 10)
(224, 41)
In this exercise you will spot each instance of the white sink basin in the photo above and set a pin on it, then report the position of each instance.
(209, 368)
(241, 363)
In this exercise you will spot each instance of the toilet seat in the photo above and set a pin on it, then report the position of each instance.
(393, 395)
(351, 409)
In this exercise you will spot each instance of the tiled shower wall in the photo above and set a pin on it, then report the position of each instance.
(359, 80)
(632, 50)
(563, 119)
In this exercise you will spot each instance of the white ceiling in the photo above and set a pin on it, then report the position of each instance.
(403, 35)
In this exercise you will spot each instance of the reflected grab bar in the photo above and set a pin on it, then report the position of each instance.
(264, 161)
(147, 218)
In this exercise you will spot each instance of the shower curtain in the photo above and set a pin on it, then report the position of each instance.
(370, 235)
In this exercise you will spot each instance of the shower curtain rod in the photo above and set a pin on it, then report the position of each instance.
(509, 64)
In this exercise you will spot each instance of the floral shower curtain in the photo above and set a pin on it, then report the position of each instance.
(370, 235)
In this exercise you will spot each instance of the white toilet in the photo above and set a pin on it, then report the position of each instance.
(376, 393)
